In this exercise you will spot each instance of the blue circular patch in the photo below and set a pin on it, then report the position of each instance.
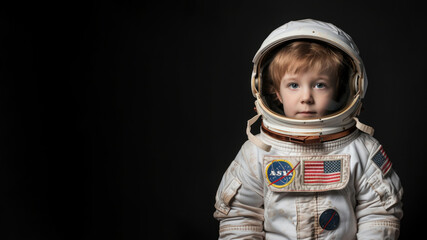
(329, 219)
(279, 173)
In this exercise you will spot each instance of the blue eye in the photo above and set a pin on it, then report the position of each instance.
(293, 85)
(320, 85)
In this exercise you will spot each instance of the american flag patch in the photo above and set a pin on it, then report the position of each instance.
(382, 161)
(318, 172)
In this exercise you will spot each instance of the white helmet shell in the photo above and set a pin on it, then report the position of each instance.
(320, 31)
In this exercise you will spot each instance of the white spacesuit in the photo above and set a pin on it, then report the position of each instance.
(323, 178)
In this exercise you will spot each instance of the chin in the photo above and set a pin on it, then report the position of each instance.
(306, 116)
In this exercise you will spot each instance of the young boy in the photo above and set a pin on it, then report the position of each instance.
(314, 171)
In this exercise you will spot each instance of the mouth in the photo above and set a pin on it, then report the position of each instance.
(306, 113)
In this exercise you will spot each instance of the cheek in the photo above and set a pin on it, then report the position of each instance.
(290, 104)
(288, 93)
(325, 99)
(288, 98)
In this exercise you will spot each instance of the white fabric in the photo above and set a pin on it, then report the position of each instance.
(254, 139)
(368, 201)
(364, 128)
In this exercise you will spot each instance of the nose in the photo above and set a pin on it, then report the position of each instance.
(307, 96)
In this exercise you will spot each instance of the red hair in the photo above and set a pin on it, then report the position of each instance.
(301, 56)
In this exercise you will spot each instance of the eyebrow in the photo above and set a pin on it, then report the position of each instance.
(321, 76)
(290, 79)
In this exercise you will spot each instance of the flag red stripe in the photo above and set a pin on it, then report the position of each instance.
(322, 175)
(318, 178)
(384, 154)
(314, 172)
(322, 178)
(321, 181)
(386, 166)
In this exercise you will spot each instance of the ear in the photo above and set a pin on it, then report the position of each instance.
(278, 96)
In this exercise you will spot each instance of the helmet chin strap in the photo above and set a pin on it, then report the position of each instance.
(253, 138)
(363, 127)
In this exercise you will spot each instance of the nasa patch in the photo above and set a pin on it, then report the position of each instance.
(279, 173)
(329, 220)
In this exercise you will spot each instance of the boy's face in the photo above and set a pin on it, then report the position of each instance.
(306, 95)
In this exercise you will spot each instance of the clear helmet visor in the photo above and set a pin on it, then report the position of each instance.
(315, 81)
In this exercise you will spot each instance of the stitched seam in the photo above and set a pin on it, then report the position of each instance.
(310, 148)
(380, 224)
(251, 228)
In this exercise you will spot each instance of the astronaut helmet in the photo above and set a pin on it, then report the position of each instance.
(342, 110)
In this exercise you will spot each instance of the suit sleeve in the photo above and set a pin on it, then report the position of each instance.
(379, 205)
(239, 199)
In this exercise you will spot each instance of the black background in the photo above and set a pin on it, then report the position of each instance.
(118, 119)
